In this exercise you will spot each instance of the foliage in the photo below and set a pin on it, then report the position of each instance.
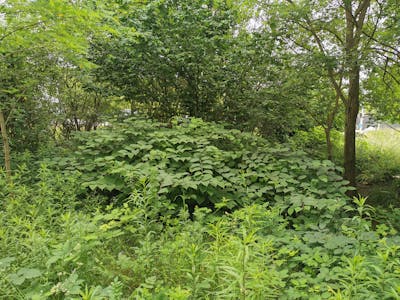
(192, 58)
(383, 95)
(36, 38)
(165, 57)
(359, 39)
(197, 163)
(81, 102)
(379, 167)
(51, 250)
(139, 209)
(313, 142)
(379, 158)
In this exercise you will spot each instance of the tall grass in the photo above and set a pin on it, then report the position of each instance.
(378, 156)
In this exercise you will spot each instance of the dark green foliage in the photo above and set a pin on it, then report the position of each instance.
(168, 58)
(286, 231)
(188, 209)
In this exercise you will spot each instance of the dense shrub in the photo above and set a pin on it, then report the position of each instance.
(197, 163)
(111, 222)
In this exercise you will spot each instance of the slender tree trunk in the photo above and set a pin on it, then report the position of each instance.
(355, 18)
(330, 120)
(6, 145)
(77, 125)
(352, 107)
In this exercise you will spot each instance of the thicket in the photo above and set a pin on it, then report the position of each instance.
(192, 162)
(188, 209)
(73, 232)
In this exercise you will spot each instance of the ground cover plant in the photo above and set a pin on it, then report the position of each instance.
(191, 162)
(378, 161)
(62, 239)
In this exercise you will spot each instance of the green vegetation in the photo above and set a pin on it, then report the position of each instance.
(189, 149)
(198, 163)
(274, 225)
(379, 155)
(379, 165)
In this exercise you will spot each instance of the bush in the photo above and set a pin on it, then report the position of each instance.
(286, 231)
(196, 163)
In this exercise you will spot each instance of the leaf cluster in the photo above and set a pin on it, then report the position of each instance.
(189, 161)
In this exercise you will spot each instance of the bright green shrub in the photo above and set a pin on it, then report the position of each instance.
(199, 163)
(295, 240)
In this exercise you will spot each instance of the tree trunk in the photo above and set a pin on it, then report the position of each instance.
(352, 107)
(6, 145)
(355, 18)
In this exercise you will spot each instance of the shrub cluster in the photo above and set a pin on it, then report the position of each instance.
(203, 164)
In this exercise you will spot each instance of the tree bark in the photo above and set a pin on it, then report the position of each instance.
(6, 145)
(355, 19)
(352, 107)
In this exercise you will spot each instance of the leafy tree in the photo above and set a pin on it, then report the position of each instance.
(383, 95)
(191, 58)
(79, 101)
(34, 37)
(169, 61)
(259, 89)
(342, 37)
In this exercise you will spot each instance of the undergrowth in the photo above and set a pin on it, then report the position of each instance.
(379, 155)
(276, 226)
(378, 161)
(49, 249)
(194, 163)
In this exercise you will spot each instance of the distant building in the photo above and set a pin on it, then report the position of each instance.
(365, 121)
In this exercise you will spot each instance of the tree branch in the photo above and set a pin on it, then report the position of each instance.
(393, 49)
(7, 34)
(386, 71)
(314, 33)
(361, 13)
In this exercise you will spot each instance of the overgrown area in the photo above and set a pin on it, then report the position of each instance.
(190, 210)
(199, 149)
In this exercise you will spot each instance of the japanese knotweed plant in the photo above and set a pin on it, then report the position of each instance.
(198, 163)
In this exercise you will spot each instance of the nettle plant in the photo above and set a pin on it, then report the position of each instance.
(192, 162)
